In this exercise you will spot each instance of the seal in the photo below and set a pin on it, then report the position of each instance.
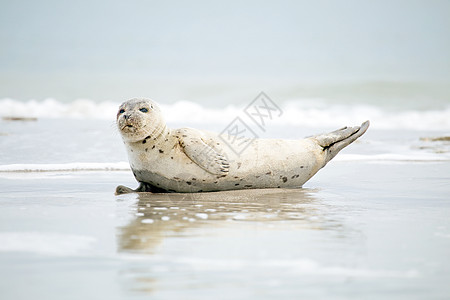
(188, 160)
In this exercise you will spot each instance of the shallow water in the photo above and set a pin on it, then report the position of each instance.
(52, 142)
(374, 223)
(352, 232)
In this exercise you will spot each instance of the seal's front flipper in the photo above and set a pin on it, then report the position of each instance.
(142, 188)
(201, 153)
(124, 190)
(335, 141)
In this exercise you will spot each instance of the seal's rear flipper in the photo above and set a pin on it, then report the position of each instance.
(335, 141)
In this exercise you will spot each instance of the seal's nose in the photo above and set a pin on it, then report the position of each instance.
(126, 117)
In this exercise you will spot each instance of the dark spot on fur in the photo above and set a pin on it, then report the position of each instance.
(269, 173)
(257, 176)
(166, 140)
(160, 151)
(236, 184)
(284, 179)
(248, 185)
(188, 182)
(193, 178)
(239, 165)
(144, 141)
(171, 157)
(295, 176)
(153, 147)
(236, 177)
(132, 150)
(199, 191)
(146, 149)
(184, 135)
(278, 186)
(147, 137)
(301, 167)
(214, 181)
(176, 178)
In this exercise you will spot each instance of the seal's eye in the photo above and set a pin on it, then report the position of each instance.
(144, 110)
(121, 111)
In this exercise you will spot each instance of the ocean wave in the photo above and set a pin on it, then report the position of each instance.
(301, 266)
(45, 243)
(51, 108)
(392, 157)
(124, 166)
(67, 167)
(304, 113)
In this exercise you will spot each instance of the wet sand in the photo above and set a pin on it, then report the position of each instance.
(356, 230)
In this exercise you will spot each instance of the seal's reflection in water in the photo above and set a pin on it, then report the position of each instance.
(160, 216)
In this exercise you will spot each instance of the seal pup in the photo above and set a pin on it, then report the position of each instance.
(188, 160)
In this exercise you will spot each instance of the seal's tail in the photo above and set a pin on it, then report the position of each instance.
(337, 140)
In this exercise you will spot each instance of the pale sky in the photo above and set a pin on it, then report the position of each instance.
(305, 41)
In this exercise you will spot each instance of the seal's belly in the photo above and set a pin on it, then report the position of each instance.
(177, 173)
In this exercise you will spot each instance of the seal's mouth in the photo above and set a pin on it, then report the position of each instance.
(127, 127)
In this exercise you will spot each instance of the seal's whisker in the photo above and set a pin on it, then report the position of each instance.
(114, 128)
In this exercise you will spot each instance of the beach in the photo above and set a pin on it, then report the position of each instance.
(372, 224)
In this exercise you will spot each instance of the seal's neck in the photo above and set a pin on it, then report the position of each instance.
(161, 134)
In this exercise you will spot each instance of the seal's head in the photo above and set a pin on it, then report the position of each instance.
(138, 119)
